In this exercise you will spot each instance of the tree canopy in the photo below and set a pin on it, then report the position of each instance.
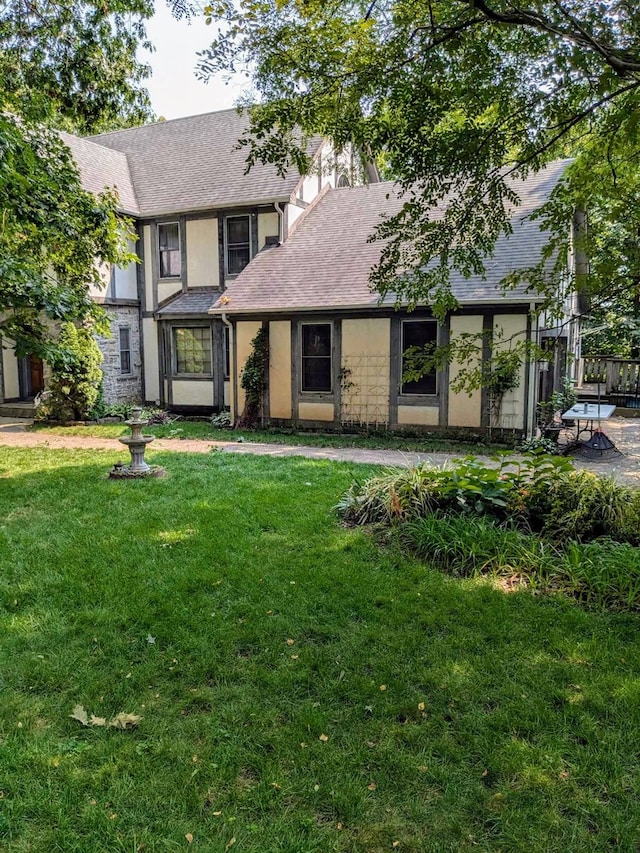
(69, 64)
(454, 97)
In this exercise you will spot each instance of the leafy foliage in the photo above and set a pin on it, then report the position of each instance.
(253, 379)
(456, 99)
(73, 65)
(76, 377)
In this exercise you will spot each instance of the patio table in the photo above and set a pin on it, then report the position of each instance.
(588, 413)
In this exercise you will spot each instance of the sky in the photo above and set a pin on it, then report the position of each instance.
(173, 88)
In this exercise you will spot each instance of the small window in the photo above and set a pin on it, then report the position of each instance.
(419, 333)
(169, 248)
(192, 350)
(238, 243)
(343, 181)
(316, 357)
(125, 349)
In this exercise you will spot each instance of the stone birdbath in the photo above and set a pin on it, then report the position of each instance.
(137, 443)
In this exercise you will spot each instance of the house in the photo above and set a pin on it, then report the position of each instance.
(336, 351)
(223, 253)
(200, 219)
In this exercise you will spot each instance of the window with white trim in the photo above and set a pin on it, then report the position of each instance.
(238, 237)
(169, 249)
(192, 350)
(124, 342)
(316, 357)
(422, 334)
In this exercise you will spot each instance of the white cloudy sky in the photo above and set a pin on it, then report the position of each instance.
(174, 89)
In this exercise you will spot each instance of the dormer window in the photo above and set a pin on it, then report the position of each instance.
(238, 234)
(169, 249)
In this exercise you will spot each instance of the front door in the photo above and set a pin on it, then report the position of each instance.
(31, 374)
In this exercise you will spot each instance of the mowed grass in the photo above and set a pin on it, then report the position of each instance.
(301, 688)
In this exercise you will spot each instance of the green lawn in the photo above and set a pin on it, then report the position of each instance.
(203, 430)
(301, 688)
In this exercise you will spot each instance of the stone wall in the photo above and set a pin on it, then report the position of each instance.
(119, 387)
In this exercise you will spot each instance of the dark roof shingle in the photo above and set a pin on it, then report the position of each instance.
(191, 302)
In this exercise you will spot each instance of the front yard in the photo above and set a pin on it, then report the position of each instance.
(301, 689)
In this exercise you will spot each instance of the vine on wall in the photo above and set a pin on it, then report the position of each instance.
(253, 381)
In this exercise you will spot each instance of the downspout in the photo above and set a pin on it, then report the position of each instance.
(533, 374)
(232, 366)
(280, 213)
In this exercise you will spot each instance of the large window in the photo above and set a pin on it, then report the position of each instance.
(423, 334)
(238, 234)
(169, 248)
(316, 357)
(192, 350)
(125, 349)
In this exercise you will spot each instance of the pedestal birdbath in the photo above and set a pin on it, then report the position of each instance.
(137, 443)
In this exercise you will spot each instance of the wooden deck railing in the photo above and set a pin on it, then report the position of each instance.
(615, 375)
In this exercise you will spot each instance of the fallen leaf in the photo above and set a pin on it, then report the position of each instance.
(216, 814)
(151, 640)
(383, 687)
(396, 844)
(276, 786)
(290, 642)
(304, 745)
(338, 826)
(295, 657)
(316, 787)
(229, 844)
(93, 802)
(124, 721)
(97, 721)
(324, 738)
(372, 786)
(189, 837)
(420, 706)
(423, 768)
(80, 715)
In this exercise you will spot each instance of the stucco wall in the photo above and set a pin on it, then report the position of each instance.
(203, 267)
(10, 371)
(148, 274)
(151, 367)
(508, 332)
(167, 288)
(315, 411)
(465, 410)
(186, 393)
(119, 387)
(418, 415)
(268, 226)
(280, 369)
(245, 333)
(366, 364)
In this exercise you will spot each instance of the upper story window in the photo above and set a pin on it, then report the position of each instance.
(316, 357)
(125, 349)
(169, 249)
(238, 236)
(192, 350)
(419, 333)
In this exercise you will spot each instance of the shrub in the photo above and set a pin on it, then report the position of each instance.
(76, 378)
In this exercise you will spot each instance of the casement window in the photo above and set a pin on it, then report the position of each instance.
(192, 350)
(419, 333)
(124, 335)
(238, 237)
(169, 249)
(316, 357)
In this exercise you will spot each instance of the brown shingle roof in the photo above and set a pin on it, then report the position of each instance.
(325, 264)
(192, 163)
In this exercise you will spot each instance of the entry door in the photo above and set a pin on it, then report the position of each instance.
(31, 375)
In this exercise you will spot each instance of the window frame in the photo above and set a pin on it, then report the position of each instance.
(173, 276)
(175, 372)
(314, 392)
(418, 395)
(127, 350)
(227, 244)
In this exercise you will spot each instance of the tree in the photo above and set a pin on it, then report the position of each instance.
(68, 64)
(454, 98)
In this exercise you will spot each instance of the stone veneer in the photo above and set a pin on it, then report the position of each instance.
(120, 387)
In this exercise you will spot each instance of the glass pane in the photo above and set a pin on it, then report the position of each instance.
(238, 230)
(419, 334)
(316, 374)
(169, 263)
(125, 361)
(168, 236)
(193, 350)
(316, 339)
(237, 259)
(124, 338)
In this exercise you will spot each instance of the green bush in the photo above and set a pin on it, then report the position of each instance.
(76, 378)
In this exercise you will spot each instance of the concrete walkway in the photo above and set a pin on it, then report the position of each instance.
(625, 433)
